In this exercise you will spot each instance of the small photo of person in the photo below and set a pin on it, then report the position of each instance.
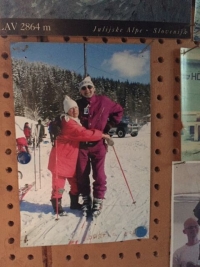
(185, 242)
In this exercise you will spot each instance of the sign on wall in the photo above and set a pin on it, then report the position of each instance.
(166, 19)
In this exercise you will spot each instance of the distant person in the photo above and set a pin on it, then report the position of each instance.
(27, 132)
(63, 156)
(22, 144)
(50, 130)
(188, 254)
(40, 132)
(95, 112)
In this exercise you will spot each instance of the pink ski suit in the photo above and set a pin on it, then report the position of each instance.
(100, 111)
(63, 156)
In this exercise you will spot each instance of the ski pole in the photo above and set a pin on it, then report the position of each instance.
(56, 184)
(124, 175)
(34, 161)
(39, 166)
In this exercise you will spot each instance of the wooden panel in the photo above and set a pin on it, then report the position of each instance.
(165, 148)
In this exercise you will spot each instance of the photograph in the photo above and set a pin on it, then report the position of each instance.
(83, 139)
(185, 245)
(190, 108)
(161, 18)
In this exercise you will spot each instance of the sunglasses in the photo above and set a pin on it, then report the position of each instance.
(85, 87)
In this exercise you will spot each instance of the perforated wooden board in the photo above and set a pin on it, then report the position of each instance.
(165, 148)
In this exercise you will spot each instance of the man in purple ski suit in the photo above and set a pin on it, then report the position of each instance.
(95, 112)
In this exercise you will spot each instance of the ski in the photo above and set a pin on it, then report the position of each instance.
(24, 190)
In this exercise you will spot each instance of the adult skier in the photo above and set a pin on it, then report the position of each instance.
(63, 156)
(96, 112)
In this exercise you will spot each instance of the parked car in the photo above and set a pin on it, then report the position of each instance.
(124, 128)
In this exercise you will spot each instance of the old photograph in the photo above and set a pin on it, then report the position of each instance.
(190, 109)
(83, 131)
(185, 245)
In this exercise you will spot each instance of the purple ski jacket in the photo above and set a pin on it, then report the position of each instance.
(99, 111)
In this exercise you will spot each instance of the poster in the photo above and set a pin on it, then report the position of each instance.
(196, 29)
(185, 222)
(42, 74)
(123, 18)
(190, 109)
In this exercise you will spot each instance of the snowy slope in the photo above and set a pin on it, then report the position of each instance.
(119, 217)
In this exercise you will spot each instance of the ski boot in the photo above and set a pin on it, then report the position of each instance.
(86, 206)
(97, 207)
(74, 205)
(58, 205)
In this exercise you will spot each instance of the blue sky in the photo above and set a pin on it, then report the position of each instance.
(115, 61)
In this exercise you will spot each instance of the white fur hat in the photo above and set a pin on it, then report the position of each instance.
(85, 82)
(68, 103)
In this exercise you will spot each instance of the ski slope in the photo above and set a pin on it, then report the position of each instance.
(120, 216)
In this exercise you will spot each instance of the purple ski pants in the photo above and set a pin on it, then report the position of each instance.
(92, 158)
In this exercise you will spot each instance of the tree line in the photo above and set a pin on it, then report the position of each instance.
(39, 90)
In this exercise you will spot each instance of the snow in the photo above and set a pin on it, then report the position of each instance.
(120, 216)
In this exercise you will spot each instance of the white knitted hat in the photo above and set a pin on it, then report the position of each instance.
(85, 82)
(68, 103)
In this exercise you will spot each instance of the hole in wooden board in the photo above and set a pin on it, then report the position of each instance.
(159, 116)
(121, 255)
(6, 94)
(9, 188)
(157, 169)
(5, 75)
(138, 255)
(159, 97)
(160, 79)
(175, 151)
(4, 55)
(176, 116)
(86, 257)
(11, 240)
(179, 41)
(9, 169)
(124, 40)
(12, 257)
(158, 151)
(176, 97)
(175, 134)
(103, 256)
(6, 114)
(10, 206)
(160, 59)
(158, 134)
(155, 253)
(142, 40)
(8, 151)
(11, 223)
(157, 186)
(30, 257)
(105, 40)
(161, 41)
(68, 257)
(7, 133)
(155, 237)
(177, 79)
(156, 221)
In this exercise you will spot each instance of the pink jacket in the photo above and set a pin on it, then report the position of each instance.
(63, 155)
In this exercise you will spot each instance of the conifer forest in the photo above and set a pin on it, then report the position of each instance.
(39, 90)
